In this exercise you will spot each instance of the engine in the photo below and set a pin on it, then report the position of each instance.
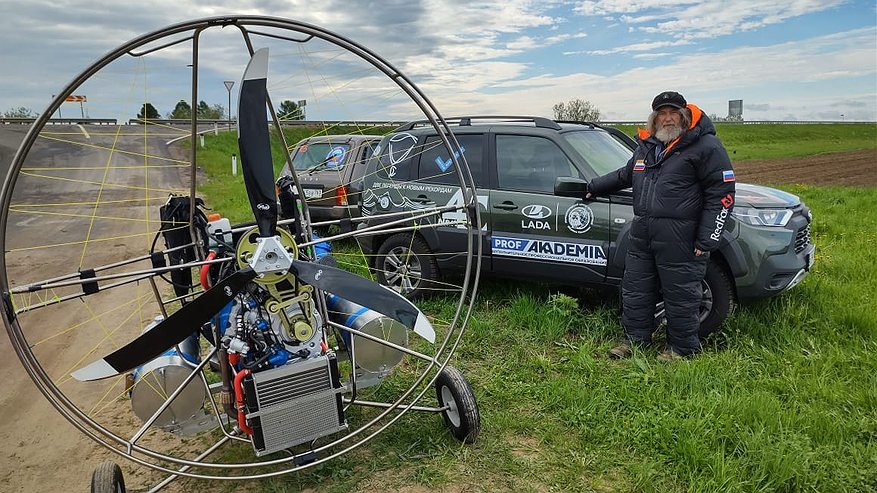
(273, 356)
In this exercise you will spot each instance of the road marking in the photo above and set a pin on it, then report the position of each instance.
(83, 131)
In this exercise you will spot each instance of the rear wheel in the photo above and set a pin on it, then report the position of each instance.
(107, 478)
(406, 264)
(461, 416)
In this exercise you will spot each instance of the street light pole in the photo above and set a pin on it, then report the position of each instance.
(228, 85)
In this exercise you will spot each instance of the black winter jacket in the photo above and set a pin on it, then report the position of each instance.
(694, 182)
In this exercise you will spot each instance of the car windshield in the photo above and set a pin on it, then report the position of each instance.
(600, 150)
(324, 155)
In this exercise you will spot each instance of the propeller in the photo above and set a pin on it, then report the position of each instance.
(270, 255)
(366, 293)
(255, 144)
(170, 332)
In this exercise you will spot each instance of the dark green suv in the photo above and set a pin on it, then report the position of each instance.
(531, 174)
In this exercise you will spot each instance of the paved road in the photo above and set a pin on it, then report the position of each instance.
(87, 196)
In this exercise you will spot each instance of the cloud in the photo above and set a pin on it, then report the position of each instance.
(697, 19)
(637, 47)
(783, 73)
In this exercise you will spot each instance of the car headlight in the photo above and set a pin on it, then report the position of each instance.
(762, 217)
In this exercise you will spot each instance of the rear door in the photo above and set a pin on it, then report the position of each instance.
(535, 234)
(441, 187)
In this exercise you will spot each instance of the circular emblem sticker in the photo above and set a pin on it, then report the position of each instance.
(579, 218)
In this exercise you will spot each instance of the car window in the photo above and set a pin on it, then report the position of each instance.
(602, 152)
(436, 165)
(530, 164)
(323, 154)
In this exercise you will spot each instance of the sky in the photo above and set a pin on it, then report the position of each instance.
(787, 60)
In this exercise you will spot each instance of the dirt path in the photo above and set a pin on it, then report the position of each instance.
(857, 169)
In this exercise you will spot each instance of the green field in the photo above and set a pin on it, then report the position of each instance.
(778, 141)
(784, 400)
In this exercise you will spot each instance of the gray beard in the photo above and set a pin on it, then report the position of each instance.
(668, 134)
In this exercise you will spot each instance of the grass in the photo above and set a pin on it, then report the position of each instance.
(777, 141)
(784, 400)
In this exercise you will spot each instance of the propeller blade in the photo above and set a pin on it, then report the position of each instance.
(255, 145)
(169, 332)
(366, 293)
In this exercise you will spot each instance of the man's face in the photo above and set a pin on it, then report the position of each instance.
(669, 124)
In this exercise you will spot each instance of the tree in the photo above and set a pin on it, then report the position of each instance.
(207, 112)
(20, 112)
(289, 110)
(576, 110)
(147, 111)
(181, 111)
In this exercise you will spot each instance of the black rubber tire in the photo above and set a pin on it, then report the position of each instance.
(720, 285)
(407, 265)
(107, 478)
(719, 301)
(462, 418)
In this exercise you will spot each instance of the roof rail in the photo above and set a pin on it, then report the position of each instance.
(539, 121)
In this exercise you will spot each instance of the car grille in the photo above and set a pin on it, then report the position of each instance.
(802, 239)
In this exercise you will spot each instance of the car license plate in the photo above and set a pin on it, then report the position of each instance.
(313, 193)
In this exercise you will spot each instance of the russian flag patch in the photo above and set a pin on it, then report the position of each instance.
(639, 166)
(728, 175)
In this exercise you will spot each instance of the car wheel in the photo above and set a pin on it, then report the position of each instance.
(461, 416)
(718, 303)
(406, 264)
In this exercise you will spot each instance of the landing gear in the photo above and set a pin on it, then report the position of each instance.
(461, 416)
(107, 478)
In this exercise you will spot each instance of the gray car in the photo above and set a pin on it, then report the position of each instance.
(531, 176)
(329, 168)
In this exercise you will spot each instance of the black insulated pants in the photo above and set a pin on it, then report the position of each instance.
(661, 263)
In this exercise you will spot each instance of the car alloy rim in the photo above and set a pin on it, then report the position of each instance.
(403, 270)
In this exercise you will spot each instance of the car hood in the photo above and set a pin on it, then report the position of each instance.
(749, 195)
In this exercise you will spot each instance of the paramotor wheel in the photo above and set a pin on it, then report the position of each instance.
(461, 416)
(107, 478)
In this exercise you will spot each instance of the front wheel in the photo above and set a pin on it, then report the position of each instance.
(407, 265)
(718, 303)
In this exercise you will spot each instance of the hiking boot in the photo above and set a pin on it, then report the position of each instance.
(622, 351)
(668, 355)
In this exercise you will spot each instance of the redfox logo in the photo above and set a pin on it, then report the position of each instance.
(727, 202)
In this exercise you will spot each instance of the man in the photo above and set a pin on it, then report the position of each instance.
(683, 191)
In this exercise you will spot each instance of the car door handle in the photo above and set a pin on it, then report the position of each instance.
(423, 199)
(506, 206)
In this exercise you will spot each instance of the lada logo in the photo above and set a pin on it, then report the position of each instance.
(536, 211)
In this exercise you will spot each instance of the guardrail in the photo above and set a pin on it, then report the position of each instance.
(294, 123)
(61, 121)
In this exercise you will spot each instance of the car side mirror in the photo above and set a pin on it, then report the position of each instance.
(568, 186)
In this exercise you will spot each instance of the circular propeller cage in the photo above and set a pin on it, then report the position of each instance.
(80, 222)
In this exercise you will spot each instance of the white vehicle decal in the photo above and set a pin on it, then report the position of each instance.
(558, 251)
